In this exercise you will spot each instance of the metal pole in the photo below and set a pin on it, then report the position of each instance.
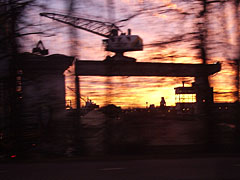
(77, 88)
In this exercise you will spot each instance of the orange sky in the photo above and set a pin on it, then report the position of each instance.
(152, 26)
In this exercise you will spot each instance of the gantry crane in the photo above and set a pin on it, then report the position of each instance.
(115, 42)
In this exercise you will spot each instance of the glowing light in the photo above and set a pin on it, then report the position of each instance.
(13, 156)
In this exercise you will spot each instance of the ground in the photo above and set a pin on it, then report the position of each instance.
(165, 168)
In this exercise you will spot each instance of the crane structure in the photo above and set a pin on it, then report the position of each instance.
(40, 49)
(114, 42)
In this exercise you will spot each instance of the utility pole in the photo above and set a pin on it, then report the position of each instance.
(237, 63)
(237, 2)
(74, 51)
(108, 80)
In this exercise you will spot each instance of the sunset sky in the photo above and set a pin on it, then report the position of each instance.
(153, 24)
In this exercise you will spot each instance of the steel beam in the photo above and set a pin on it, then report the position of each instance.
(102, 68)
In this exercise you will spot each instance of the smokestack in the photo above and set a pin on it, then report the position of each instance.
(183, 82)
(129, 31)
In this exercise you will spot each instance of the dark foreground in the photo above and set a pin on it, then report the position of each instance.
(205, 168)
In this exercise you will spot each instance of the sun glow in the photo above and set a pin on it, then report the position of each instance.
(135, 91)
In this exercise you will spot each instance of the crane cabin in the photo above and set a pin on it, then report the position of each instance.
(123, 43)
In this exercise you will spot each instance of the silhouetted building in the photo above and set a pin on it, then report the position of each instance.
(42, 92)
(190, 99)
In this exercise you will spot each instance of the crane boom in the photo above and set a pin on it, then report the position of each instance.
(113, 42)
(97, 27)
